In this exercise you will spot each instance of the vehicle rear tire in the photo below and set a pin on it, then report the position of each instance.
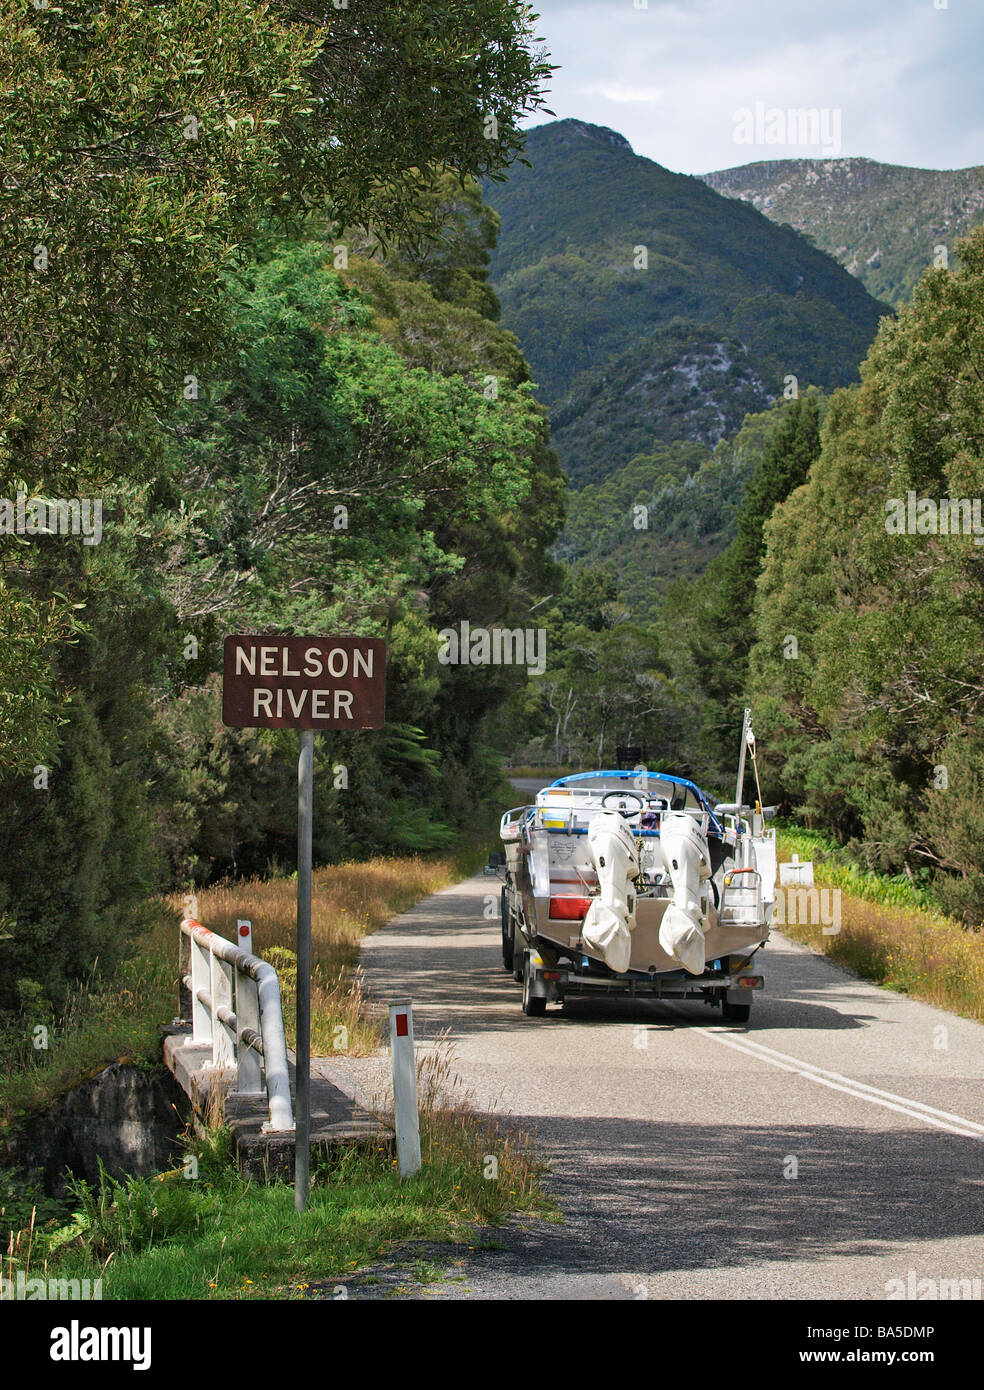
(735, 1013)
(532, 1006)
(507, 933)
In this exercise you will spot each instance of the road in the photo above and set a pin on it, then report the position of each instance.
(833, 1145)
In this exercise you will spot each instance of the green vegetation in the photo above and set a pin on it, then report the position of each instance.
(891, 932)
(629, 359)
(220, 1236)
(873, 730)
(836, 867)
(883, 222)
(283, 431)
(664, 516)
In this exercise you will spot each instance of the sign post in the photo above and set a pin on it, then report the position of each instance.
(302, 1045)
(308, 684)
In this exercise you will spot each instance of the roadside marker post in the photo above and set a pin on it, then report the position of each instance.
(310, 684)
(244, 935)
(405, 1108)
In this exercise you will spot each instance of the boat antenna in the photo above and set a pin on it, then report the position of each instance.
(755, 768)
(746, 729)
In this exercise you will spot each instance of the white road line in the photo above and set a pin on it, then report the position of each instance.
(888, 1100)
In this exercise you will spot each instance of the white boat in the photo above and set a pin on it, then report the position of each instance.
(633, 882)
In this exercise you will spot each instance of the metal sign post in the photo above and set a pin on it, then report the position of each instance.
(302, 1046)
(273, 681)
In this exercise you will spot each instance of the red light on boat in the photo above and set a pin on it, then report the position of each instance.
(568, 909)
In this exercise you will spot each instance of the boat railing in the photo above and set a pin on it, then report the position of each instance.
(574, 819)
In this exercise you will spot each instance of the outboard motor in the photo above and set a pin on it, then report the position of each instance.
(684, 849)
(611, 916)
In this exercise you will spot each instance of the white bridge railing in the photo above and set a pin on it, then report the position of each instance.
(235, 1007)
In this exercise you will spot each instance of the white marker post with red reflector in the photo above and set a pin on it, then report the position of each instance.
(244, 935)
(404, 1087)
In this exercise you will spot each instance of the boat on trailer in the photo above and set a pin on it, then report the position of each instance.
(633, 882)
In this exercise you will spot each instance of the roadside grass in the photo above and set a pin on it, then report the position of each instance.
(348, 902)
(896, 890)
(221, 1236)
(105, 1020)
(890, 932)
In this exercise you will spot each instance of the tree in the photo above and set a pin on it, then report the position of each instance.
(153, 157)
(888, 686)
(724, 628)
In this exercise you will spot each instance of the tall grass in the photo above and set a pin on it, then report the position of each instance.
(348, 901)
(891, 932)
(104, 1020)
(840, 871)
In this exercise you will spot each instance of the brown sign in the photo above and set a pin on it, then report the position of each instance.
(273, 682)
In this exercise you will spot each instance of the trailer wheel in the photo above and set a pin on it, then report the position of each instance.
(735, 1013)
(507, 932)
(532, 1006)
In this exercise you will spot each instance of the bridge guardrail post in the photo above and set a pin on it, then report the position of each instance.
(249, 1081)
(223, 1035)
(201, 982)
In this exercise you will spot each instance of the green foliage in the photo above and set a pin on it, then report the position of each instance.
(23, 1202)
(889, 679)
(346, 482)
(171, 351)
(123, 1218)
(77, 860)
(666, 515)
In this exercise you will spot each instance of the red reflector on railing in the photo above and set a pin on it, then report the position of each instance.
(568, 909)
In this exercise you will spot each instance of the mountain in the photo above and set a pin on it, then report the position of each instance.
(667, 514)
(651, 308)
(881, 221)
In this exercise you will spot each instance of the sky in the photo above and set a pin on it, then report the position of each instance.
(700, 85)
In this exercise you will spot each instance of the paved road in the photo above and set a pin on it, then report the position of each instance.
(673, 1138)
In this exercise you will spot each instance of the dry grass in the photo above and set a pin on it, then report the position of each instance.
(489, 1162)
(914, 950)
(105, 1020)
(347, 902)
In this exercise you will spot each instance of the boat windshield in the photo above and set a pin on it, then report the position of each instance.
(677, 796)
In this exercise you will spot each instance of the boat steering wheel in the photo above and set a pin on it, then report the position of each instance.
(620, 810)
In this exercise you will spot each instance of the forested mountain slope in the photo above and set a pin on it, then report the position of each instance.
(653, 310)
(883, 222)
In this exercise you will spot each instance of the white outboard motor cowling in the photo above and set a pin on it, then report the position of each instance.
(611, 916)
(684, 849)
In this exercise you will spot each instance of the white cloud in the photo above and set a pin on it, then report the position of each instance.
(628, 95)
(903, 75)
